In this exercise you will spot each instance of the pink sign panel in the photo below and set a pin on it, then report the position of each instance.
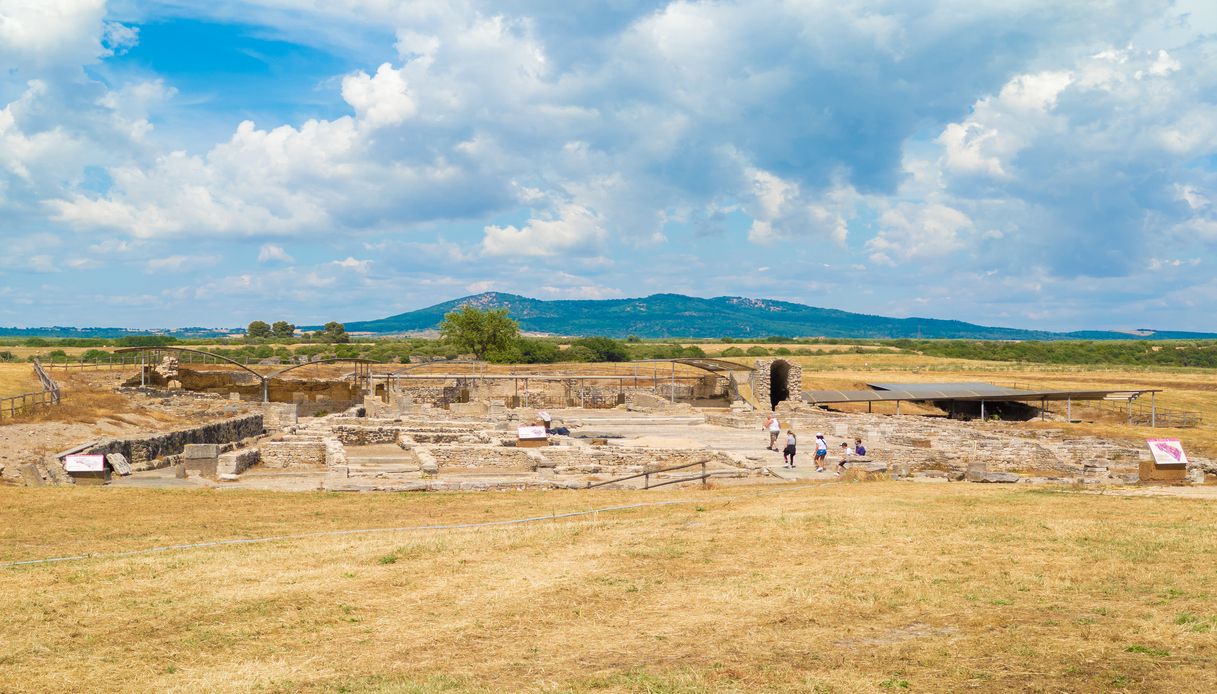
(1167, 451)
(527, 433)
(84, 463)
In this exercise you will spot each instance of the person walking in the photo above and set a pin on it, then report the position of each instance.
(789, 451)
(774, 427)
(821, 452)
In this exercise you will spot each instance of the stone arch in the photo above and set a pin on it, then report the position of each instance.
(779, 382)
(789, 385)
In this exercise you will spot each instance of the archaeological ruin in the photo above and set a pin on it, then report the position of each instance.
(348, 425)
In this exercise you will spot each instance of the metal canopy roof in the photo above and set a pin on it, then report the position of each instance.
(939, 390)
(708, 364)
(974, 392)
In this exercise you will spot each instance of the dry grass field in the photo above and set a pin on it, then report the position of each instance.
(16, 379)
(871, 587)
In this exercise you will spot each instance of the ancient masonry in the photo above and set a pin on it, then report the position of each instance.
(761, 376)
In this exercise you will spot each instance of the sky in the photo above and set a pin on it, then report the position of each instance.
(1025, 163)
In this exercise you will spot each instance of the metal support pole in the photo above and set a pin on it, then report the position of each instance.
(265, 390)
(982, 410)
(1069, 408)
(869, 408)
(142, 372)
(673, 382)
(1130, 410)
(1153, 410)
(1043, 404)
(897, 407)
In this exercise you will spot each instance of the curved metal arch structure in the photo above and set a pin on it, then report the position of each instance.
(425, 364)
(126, 350)
(337, 360)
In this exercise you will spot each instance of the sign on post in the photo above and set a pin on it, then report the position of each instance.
(84, 463)
(1167, 451)
(531, 433)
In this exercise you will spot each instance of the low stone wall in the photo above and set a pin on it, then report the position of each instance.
(277, 416)
(289, 454)
(500, 457)
(143, 452)
(236, 462)
(366, 435)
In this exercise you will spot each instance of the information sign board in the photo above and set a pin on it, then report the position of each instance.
(84, 463)
(1167, 451)
(529, 433)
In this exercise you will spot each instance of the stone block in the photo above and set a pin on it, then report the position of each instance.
(995, 477)
(201, 450)
(236, 462)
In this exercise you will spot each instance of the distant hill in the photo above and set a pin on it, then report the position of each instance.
(59, 331)
(675, 315)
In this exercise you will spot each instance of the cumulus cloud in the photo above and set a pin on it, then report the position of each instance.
(573, 227)
(381, 99)
(639, 125)
(273, 253)
(910, 232)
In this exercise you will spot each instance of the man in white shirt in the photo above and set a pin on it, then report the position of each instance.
(774, 427)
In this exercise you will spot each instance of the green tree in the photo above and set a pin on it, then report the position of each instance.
(258, 329)
(578, 353)
(334, 332)
(478, 331)
(282, 329)
(604, 348)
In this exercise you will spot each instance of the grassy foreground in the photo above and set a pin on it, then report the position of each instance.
(834, 588)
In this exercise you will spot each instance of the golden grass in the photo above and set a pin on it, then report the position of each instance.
(834, 588)
(17, 379)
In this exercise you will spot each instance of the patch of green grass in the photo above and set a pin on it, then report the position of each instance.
(1147, 650)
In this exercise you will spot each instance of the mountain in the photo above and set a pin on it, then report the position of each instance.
(675, 315)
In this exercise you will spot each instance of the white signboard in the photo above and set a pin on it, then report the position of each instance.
(84, 463)
(1167, 451)
(529, 433)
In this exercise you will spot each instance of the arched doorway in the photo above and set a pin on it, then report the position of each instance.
(779, 382)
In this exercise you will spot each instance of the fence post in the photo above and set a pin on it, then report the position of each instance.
(704, 481)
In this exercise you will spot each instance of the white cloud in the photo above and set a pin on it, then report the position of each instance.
(273, 253)
(780, 210)
(918, 232)
(360, 266)
(382, 99)
(571, 227)
(178, 263)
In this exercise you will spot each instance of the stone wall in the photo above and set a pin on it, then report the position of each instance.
(760, 377)
(367, 435)
(143, 452)
(236, 462)
(277, 416)
(293, 453)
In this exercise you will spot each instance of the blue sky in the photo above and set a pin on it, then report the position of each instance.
(1017, 162)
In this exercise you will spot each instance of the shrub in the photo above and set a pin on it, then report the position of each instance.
(579, 353)
(757, 351)
(603, 348)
